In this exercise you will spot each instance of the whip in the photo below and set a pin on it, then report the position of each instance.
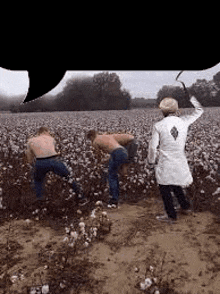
(190, 190)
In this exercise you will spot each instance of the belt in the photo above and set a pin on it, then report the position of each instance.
(41, 158)
(118, 148)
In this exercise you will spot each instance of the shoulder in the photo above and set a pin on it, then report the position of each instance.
(30, 140)
(160, 123)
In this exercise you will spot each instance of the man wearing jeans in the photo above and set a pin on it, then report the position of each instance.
(42, 148)
(172, 171)
(114, 144)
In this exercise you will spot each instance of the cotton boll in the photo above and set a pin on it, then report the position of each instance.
(45, 289)
(93, 213)
(66, 239)
(82, 225)
(148, 282)
(14, 279)
(74, 235)
(67, 230)
(99, 203)
(143, 286)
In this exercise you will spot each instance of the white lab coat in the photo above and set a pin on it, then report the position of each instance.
(170, 135)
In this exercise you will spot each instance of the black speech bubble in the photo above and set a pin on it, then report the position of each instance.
(45, 76)
(42, 81)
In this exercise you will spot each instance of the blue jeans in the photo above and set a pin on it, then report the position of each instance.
(43, 166)
(118, 157)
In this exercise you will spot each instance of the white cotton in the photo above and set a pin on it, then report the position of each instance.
(148, 282)
(66, 239)
(45, 289)
(82, 224)
(74, 235)
(217, 191)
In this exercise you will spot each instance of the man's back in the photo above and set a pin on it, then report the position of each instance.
(172, 133)
(42, 146)
(111, 142)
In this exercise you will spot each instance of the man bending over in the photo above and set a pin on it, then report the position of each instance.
(115, 145)
(41, 150)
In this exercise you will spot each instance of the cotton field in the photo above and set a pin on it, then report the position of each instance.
(69, 128)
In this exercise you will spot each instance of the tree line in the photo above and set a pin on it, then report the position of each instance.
(207, 92)
(104, 91)
(101, 92)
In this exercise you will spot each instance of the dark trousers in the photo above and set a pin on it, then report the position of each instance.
(118, 157)
(165, 191)
(54, 164)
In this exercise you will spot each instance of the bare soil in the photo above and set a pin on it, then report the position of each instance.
(185, 255)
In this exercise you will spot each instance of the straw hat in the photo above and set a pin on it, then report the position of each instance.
(169, 105)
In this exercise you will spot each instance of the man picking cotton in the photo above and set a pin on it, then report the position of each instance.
(41, 153)
(115, 145)
(172, 171)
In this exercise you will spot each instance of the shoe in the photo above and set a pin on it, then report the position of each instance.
(112, 204)
(165, 218)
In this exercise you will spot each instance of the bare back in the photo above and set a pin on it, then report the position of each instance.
(108, 143)
(42, 146)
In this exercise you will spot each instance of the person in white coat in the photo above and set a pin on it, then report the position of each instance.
(172, 171)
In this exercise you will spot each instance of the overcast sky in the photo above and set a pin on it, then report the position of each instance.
(139, 83)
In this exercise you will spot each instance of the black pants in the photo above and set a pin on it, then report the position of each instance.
(165, 191)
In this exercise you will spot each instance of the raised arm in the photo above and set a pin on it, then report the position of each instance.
(153, 144)
(189, 119)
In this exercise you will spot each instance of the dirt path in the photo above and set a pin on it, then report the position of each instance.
(120, 260)
(189, 248)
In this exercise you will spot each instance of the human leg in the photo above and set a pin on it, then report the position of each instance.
(113, 180)
(59, 168)
(40, 170)
(178, 191)
(118, 157)
(165, 191)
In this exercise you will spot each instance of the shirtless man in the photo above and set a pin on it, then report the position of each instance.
(114, 144)
(41, 149)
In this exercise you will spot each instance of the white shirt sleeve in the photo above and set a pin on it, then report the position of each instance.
(189, 119)
(153, 144)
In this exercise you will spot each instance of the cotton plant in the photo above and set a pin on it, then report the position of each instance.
(86, 231)
(151, 283)
(40, 290)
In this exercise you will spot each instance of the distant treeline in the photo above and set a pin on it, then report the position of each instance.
(143, 103)
(207, 92)
(104, 91)
(100, 92)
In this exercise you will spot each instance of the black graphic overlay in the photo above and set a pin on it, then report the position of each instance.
(42, 82)
(46, 71)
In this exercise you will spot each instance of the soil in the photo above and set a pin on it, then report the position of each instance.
(185, 256)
